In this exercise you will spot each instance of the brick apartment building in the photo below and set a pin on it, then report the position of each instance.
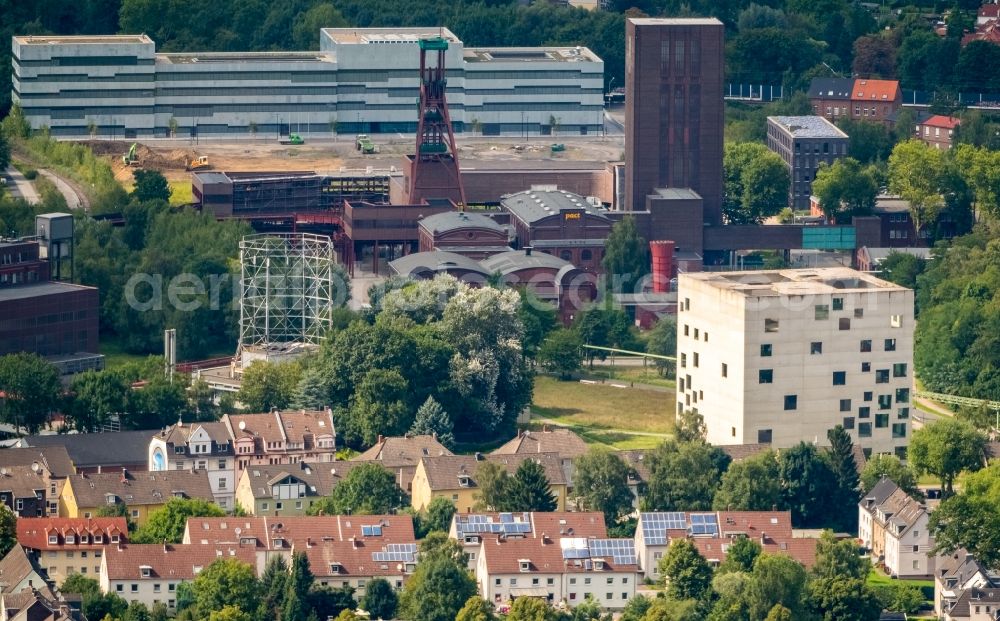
(858, 99)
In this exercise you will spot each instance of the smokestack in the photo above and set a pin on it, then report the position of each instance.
(663, 264)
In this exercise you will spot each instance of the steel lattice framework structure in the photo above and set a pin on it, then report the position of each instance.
(435, 171)
(287, 289)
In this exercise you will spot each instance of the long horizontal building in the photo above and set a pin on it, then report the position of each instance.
(362, 80)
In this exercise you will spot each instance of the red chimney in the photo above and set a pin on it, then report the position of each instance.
(663, 264)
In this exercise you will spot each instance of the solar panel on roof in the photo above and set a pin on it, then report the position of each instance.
(371, 531)
(506, 517)
(704, 524)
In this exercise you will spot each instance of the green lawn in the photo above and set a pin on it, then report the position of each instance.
(876, 578)
(180, 193)
(603, 414)
(115, 355)
(637, 375)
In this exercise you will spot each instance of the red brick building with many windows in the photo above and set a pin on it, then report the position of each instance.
(559, 223)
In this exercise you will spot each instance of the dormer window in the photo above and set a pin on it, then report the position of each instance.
(115, 538)
(70, 539)
(525, 564)
(179, 450)
(472, 539)
(84, 539)
(410, 568)
(599, 564)
(464, 480)
(98, 538)
(335, 568)
(146, 571)
(53, 540)
(279, 543)
(109, 498)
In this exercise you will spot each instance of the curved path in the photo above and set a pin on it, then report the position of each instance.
(75, 197)
(20, 187)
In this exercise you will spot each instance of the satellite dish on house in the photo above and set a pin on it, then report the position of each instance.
(35, 467)
(243, 425)
(3, 472)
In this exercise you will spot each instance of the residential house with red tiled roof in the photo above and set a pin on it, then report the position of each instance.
(875, 100)
(471, 529)
(281, 437)
(937, 131)
(150, 573)
(355, 562)
(267, 533)
(987, 13)
(64, 546)
(558, 569)
(401, 455)
(713, 531)
(343, 550)
(988, 32)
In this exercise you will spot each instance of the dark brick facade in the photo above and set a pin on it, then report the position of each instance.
(674, 109)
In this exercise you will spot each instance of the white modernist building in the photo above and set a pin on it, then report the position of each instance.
(783, 356)
(362, 80)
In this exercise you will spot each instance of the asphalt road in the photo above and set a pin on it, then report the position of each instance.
(20, 187)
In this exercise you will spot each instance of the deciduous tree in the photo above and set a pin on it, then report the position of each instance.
(268, 385)
(775, 580)
(561, 353)
(686, 572)
(945, 448)
(753, 484)
(969, 519)
(168, 523)
(914, 174)
(807, 479)
(476, 609)
(756, 183)
(150, 185)
(845, 189)
(226, 582)
(626, 257)
(367, 489)
(441, 584)
(380, 599)
(890, 467)
(31, 390)
(601, 484)
(684, 476)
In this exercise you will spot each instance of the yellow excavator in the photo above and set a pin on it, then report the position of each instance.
(199, 163)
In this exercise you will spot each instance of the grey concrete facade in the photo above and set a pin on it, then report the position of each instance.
(360, 81)
(804, 142)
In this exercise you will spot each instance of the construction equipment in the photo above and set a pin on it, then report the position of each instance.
(364, 144)
(130, 158)
(293, 139)
(200, 163)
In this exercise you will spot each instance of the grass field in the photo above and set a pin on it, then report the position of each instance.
(632, 374)
(606, 415)
(180, 193)
(115, 355)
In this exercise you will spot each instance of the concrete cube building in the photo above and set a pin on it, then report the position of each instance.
(782, 356)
